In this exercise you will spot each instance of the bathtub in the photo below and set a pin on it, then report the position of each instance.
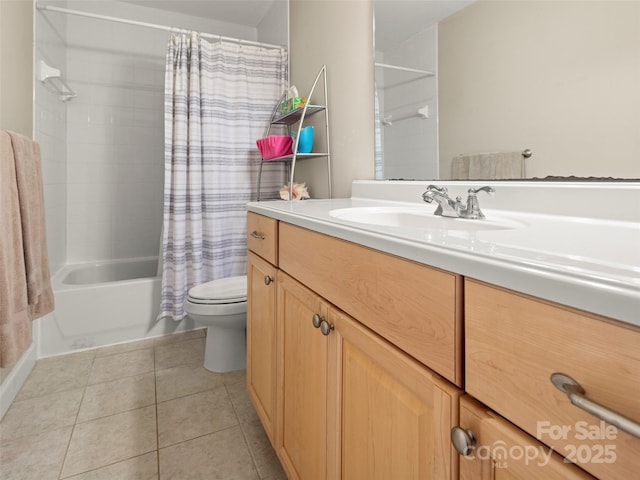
(120, 271)
(105, 303)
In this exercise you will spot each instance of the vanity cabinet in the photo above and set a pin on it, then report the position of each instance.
(351, 405)
(369, 379)
(261, 318)
(513, 345)
(503, 451)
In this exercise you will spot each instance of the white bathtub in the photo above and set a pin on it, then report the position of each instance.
(105, 303)
(119, 271)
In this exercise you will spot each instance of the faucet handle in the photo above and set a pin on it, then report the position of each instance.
(437, 188)
(433, 190)
(473, 206)
(489, 190)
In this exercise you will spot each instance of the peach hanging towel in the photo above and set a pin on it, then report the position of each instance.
(25, 284)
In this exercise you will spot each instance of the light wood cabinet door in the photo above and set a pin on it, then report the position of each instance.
(393, 415)
(503, 452)
(261, 339)
(302, 386)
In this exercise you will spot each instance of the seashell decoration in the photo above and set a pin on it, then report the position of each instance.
(300, 191)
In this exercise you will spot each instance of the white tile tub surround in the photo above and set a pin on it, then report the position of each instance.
(116, 164)
(50, 131)
(115, 128)
(103, 150)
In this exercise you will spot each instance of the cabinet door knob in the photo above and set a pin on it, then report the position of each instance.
(576, 395)
(267, 279)
(463, 440)
(326, 327)
(317, 320)
(255, 234)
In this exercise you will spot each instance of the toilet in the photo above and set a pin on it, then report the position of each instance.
(221, 305)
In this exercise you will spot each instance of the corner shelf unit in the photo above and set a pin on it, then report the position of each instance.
(298, 116)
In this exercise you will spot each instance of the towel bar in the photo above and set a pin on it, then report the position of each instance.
(51, 76)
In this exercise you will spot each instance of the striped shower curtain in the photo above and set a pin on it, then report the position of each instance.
(218, 100)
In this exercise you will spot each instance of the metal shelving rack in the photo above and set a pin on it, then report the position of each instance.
(298, 117)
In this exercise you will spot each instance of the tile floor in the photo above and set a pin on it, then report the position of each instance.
(141, 410)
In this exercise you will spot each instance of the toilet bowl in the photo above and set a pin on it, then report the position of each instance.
(221, 305)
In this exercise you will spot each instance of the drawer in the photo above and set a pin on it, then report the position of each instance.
(262, 236)
(514, 343)
(501, 450)
(415, 307)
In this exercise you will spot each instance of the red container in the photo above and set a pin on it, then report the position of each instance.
(275, 146)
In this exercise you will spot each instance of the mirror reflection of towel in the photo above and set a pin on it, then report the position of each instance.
(488, 166)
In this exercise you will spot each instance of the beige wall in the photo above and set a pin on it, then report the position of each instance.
(340, 35)
(16, 66)
(511, 77)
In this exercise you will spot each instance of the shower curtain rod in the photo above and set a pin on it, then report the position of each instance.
(167, 28)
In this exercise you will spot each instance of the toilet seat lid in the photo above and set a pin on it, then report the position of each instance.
(222, 290)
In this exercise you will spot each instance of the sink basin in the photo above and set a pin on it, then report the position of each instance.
(417, 217)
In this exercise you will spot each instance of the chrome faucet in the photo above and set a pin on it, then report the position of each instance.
(447, 207)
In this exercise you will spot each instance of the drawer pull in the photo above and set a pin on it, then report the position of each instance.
(267, 279)
(576, 395)
(255, 234)
(326, 327)
(317, 320)
(463, 440)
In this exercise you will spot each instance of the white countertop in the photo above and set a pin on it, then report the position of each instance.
(592, 264)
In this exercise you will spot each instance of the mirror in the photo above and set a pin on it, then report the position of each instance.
(462, 78)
